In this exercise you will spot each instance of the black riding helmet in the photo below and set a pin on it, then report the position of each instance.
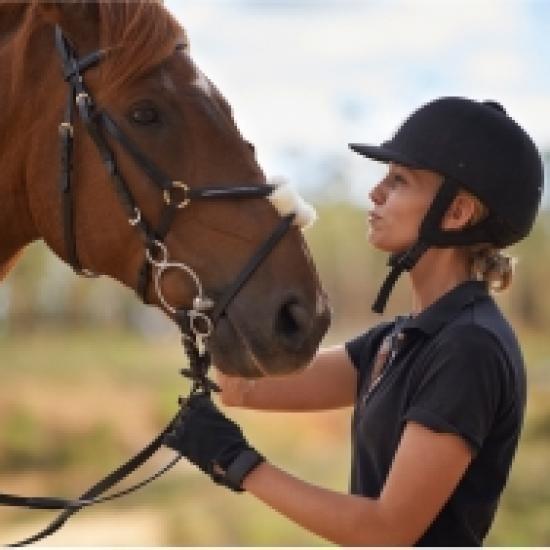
(476, 146)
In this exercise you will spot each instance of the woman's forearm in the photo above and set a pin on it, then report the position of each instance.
(339, 518)
(328, 382)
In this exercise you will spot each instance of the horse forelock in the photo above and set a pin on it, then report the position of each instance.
(139, 35)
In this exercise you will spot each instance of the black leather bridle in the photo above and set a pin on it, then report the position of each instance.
(196, 322)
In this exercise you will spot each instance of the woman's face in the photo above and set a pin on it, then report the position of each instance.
(400, 202)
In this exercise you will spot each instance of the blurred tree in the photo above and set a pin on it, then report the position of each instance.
(23, 288)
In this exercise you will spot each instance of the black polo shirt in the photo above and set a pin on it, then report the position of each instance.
(455, 368)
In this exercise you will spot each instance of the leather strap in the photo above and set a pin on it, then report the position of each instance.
(241, 467)
(429, 233)
(71, 507)
(255, 261)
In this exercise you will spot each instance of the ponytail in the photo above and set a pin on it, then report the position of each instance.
(486, 262)
(490, 264)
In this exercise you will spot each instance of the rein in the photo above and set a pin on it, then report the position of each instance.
(197, 322)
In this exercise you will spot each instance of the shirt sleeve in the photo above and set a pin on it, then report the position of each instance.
(461, 388)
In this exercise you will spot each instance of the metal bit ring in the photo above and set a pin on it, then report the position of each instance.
(161, 270)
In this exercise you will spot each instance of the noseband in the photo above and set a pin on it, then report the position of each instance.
(196, 322)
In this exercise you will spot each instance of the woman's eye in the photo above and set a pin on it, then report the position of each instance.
(144, 115)
(397, 179)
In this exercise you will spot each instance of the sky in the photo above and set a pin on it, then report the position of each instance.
(306, 77)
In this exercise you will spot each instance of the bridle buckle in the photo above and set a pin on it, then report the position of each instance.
(83, 99)
(66, 129)
(136, 218)
(178, 185)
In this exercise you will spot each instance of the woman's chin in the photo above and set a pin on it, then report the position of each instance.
(383, 245)
(380, 244)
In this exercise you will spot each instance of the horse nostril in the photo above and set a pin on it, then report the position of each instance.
(291, 324)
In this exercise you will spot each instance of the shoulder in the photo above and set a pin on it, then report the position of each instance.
(481, 336)
(468, 339)
(462, 383)
(470, 350)
(471, 359)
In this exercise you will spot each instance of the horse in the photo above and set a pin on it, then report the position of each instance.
(161, 115)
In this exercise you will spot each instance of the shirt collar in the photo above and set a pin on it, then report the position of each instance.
(447, 307)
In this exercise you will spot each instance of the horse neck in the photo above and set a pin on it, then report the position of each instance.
(18, 117)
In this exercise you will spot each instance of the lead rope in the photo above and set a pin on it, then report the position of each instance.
(199, 363)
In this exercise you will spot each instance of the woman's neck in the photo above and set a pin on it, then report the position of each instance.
(437, 272)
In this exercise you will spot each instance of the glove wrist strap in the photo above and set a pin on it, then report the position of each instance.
(241, 467)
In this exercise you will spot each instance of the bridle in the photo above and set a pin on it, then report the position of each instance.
(98, 124)
(196, 322)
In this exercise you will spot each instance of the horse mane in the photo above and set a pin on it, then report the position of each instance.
(140, 34)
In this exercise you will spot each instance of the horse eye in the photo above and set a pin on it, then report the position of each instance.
(144, 115)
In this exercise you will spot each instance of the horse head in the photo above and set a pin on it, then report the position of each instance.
(155, 96)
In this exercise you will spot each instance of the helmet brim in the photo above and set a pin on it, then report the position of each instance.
(383, 153)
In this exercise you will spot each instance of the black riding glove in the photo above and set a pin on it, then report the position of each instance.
(213, 442)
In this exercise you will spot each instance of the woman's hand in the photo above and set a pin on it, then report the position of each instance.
(234, 389)
(212, 442)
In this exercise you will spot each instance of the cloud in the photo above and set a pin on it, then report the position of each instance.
(311, 76)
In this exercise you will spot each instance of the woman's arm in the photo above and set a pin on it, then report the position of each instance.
(426, 469)
(328, 382)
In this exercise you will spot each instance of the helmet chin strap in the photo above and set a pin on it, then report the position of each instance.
(430, 234)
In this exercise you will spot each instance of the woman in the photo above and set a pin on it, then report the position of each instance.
(439, 394)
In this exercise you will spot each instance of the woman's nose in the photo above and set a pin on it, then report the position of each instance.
(377, 195)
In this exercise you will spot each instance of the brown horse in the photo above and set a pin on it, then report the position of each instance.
(151, 88)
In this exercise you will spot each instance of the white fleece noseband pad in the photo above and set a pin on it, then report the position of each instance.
(287, 201)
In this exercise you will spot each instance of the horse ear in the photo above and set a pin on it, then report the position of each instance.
(73, 17)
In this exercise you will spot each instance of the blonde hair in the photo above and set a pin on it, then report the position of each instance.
(487, 262)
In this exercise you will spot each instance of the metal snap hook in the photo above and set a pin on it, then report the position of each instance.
(200, 324)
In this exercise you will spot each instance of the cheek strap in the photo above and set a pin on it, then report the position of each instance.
(287, 201)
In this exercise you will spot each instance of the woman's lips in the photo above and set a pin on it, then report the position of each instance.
(372, 217)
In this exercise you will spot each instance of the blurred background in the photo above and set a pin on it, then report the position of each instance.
(89, 375)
